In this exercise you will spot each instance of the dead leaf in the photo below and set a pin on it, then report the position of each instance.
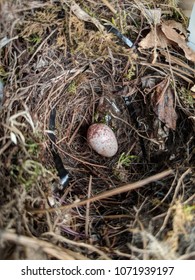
(163, 104)
(168, 33)
(155, 38)
(148, 82)
(171, 34)
(178, 26)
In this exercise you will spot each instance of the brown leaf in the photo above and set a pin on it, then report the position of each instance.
(171, 34)
(155, 38)
(163, 104)
(148, 82)
(168, 33)
(177, 26)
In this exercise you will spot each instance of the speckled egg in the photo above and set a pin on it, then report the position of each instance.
(102, 139)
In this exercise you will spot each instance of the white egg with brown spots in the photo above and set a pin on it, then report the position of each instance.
(102, 139)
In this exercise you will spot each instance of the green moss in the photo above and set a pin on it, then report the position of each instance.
(125, 160)
(28, 173)
(34, 39)
(186, 97)
(32, 148)
(3, 73)
(131, 72)
(72, 88)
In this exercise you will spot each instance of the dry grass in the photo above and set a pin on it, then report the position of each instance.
(131, 206)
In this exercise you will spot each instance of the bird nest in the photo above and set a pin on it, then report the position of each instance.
(75, 57)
